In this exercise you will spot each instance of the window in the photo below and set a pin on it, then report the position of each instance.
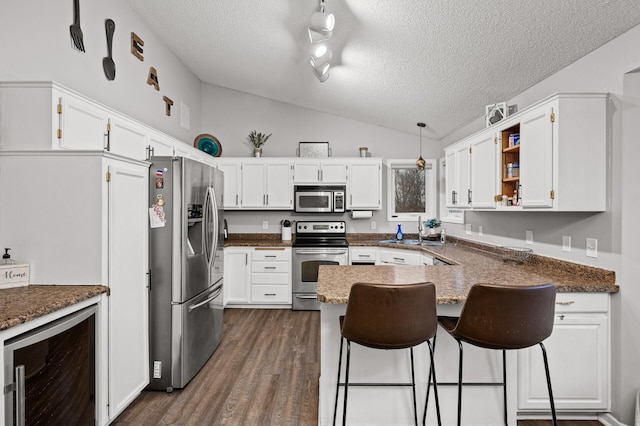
(411, 192)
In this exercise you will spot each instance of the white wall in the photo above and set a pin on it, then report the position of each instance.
(230, 116)
(36, 46)
(617, 231)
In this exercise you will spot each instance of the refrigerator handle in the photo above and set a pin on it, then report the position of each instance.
(211, 221)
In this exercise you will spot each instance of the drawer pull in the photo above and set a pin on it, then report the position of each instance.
(570, 302)
(561, 317)
(269, 294)
(399, 259)
(364, 255)
(269, 267)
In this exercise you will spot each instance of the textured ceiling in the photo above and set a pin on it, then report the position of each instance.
(395, 62)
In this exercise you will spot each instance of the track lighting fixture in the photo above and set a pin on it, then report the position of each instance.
(321, 25)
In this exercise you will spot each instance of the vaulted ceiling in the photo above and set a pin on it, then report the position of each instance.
(395, 62)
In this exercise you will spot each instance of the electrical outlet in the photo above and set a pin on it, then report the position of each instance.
(373, 225)
(157, 369)
(592, 247)
(265, 225)
(566, 243)
(467, 229)
(529, 237)
(480, 231)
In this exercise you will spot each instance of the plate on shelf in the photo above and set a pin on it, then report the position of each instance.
(209, 144)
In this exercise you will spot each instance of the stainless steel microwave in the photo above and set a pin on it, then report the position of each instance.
(319, 199)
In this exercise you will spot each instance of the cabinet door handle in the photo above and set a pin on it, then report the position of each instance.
(236, 199)
(20, 395)
(469, 196)
(570, 302)
(561, 317)
(453, 197)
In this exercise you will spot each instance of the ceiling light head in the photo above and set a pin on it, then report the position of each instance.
(322, 72)
(322, 22)
(320, 55)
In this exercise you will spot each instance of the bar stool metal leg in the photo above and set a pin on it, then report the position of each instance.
(546, 370)
(504, 384)
(460, 384)
(413, 389)
(432, 374)
(335, 405)
(346, 385)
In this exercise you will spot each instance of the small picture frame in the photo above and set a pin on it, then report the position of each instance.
(495, 112)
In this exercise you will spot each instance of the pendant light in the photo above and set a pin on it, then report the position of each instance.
(420, 162)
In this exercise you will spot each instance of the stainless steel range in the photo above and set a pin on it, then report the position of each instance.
(316, 244)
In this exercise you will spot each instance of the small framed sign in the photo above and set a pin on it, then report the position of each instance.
(495, 113)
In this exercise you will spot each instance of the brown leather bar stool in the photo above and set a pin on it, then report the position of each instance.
(504, 317)
(388, 316)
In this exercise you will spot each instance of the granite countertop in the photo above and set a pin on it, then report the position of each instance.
(256, 240)
(469, 263)
(21, 304)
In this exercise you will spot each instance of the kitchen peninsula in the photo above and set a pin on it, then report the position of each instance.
(580, 289)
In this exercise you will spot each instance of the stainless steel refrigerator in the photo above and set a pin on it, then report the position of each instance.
(186, 266)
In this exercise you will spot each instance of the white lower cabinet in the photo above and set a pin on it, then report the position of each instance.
(257, 276)
(237, 275)
(579, 358)
(363, 255)
(271, 275)
(399, 257)
(82, 219)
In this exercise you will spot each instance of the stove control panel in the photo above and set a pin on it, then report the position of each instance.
(332, 227)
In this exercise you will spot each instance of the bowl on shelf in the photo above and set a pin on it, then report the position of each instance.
(514, 254)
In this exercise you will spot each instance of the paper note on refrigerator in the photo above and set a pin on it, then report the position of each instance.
(156, 217)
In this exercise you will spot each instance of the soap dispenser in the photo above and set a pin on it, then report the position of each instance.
(6, 257)
(399, 234)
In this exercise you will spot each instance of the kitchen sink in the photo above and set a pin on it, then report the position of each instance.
(412, 242)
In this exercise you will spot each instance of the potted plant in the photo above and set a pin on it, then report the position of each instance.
(257, 140)
(432, 224)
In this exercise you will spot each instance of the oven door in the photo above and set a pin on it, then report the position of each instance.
(306, 262)
(314, 201)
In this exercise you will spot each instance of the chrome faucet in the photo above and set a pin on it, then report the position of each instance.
(420, 229)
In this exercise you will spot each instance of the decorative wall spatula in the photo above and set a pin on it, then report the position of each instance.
(76, 32)
(107, 63)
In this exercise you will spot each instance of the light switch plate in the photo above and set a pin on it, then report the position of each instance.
(566, 243)
(592, 247)
(529, 237)
(265, 225)
(480, 231)
(373, 225)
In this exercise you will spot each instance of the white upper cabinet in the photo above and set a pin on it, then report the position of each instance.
(127, 138)
(160, 145)
(484, 169)
(81, 124)
(232, 179)
(267, 185)
(458, 171)
(536, 150)
(319, 171)
(364, 186)
(551, 156)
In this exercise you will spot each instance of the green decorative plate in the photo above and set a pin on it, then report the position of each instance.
(209, 144)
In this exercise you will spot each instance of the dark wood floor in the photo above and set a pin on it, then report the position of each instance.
(265, 372)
